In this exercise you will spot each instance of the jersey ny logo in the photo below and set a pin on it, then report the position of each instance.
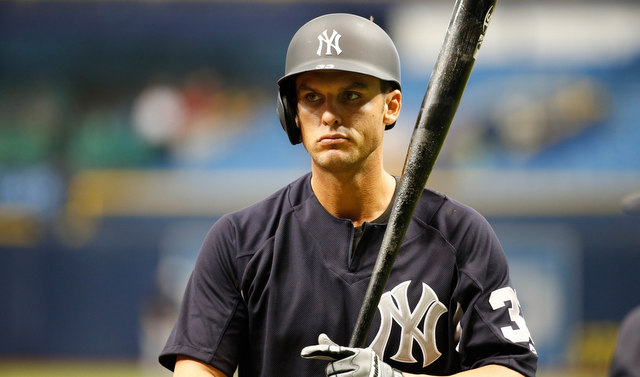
(330, 42)
(394, 306)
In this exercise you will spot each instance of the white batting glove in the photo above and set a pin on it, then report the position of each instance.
(348, 362)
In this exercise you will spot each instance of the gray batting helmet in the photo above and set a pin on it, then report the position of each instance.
(336, 41)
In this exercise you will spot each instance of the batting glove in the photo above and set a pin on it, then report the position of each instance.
(348, 362)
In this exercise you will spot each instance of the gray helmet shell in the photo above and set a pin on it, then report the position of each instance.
(337, 41)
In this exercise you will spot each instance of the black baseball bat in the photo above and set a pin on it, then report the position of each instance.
(449, 77)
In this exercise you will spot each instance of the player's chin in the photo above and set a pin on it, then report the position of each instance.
(335, 160)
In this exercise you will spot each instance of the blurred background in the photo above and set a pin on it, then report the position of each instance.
(128, 127)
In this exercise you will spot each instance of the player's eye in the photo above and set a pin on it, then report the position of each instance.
(311, 97)
(351, 96)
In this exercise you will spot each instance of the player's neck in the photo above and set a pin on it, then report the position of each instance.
(359, 197)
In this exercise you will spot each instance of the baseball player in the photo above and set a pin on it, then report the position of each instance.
(277, 287)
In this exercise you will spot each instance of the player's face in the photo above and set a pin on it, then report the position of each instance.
(342, 116)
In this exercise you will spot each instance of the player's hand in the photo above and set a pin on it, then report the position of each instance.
(348, 362)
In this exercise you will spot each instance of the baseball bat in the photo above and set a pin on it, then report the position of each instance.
(449, 77)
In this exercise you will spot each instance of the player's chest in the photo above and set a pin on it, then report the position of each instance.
(301, 277)
(300, 258)
(317, 294)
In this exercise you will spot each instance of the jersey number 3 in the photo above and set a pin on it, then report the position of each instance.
(498, 299)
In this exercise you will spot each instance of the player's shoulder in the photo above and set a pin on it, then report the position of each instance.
(275, 205)
(438, 209)
(260, 220)
(458, 223)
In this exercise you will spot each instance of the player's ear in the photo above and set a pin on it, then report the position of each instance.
(393, 103)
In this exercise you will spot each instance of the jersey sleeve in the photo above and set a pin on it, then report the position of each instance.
(493, 329)
(212, 315)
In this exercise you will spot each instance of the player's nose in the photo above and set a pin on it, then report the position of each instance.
(330, 113)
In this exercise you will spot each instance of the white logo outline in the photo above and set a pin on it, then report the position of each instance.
(332, 41)
(394, 306)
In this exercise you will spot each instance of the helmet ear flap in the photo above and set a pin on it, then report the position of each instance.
(287, 115)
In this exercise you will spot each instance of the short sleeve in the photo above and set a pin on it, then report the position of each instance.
(212, 317)
(493, 328)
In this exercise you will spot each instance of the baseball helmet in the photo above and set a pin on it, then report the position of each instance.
(337, 41)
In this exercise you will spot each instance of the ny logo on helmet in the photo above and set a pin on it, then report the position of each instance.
(394, 306)
(330, 42)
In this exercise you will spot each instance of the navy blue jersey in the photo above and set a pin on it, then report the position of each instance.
(270, 278)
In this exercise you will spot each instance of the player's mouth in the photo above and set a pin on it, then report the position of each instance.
(332, 139)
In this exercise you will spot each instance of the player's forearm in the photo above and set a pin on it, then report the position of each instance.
(186, 367)
(485, 371)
